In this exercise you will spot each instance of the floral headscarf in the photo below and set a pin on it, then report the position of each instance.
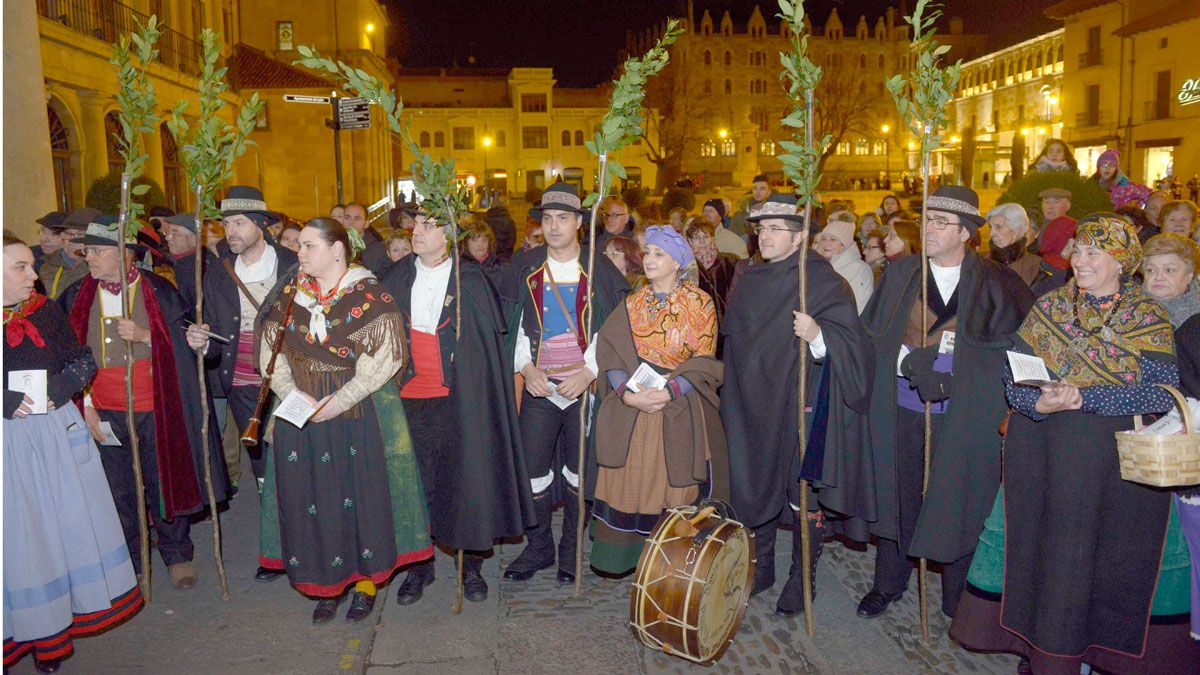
(1114, 235)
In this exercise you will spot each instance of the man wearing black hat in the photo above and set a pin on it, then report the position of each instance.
(65, 267)
(974, 307)
(179, 231)
(50, 241)
(727, 242)
(758, 401)
(458, 397)
(234, 289)
(545, 291)
(166, 396)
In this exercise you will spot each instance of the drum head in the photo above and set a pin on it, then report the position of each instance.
(726, 592)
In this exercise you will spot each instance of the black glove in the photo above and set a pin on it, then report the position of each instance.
(932, 386)
(919, 361)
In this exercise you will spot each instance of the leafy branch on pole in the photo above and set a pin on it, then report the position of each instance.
(208, 158)
(214, 145)
(921, 99)
(801, 155)
(434, 179)
(801, 164)
(136, 98)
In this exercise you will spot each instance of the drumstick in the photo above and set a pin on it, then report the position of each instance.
(687, 528)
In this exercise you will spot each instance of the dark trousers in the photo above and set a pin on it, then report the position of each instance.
(893, 566)
(542, 425)
(431, 426)
(241, 402)
(174, 541)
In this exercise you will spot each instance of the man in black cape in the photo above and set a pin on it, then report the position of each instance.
(981, 305)
(545, 292)
(758, 401)
(462, 413)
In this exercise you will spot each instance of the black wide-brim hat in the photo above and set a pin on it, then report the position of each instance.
(103, 232)
(961, 201)
(559, 197)
(243, 200)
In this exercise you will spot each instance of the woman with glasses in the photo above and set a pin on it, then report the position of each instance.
(626, 256)
(716, 268)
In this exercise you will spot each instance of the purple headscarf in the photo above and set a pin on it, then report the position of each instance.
(666, 238)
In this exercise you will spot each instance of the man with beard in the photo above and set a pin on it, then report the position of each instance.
(980, 304)
(545, 292)
(234, 290)
(457, 392)
(758, 401)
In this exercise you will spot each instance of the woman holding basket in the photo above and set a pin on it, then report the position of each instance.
(1075, 564)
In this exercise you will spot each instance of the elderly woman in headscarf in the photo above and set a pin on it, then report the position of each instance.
(655, 444)
(1169, 269)
(1076, 565)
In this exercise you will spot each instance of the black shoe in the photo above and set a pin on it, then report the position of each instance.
(420, 576)
(475, 588)
(47, 666)
(264, 575)
(565, 577)
(874, 603)
(791, 600)
(326, 609)
(539, 546)
(361, 605)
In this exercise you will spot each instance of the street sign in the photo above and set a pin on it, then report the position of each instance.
(301, 98)
(354, 113)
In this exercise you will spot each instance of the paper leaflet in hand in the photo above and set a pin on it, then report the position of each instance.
(645, 377)
(558, 399)
(296, 409)
(1028, 370)
(32, 383)
(110, 438)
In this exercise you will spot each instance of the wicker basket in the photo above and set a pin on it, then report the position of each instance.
(1161, 461)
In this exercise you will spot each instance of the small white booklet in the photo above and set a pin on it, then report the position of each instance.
(946, 346)
(1028, 370)
(558, 399)
(296, 409)
(110, 438)
(645, 377)
(32, 383)
(904, 351)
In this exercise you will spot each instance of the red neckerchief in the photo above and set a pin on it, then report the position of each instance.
(17, 324)
(190, 253)
(114, 287)
(310, 285)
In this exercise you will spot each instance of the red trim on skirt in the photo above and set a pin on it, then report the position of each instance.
(334, 590)
(60, 644)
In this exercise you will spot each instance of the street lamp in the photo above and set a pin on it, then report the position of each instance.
(721, 150)
(887, 154)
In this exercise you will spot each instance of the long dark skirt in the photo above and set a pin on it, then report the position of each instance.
(349, 498)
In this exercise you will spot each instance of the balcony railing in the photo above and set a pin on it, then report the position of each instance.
(1094, 57)
(107, 20)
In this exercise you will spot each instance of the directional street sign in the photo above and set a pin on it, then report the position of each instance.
(301, 98)
(354, 113)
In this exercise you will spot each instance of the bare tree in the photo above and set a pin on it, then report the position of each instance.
(680, 123)
(849, 103)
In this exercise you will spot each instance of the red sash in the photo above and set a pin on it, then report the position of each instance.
(108, 389)
(427, 361)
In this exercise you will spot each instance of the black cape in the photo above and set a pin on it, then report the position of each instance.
(486, 492)
(758, 399)
(965, 470)
(174, 312)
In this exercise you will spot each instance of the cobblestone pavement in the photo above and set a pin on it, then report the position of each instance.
(529, 627)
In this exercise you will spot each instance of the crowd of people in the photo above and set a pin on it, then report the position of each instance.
(428, 397)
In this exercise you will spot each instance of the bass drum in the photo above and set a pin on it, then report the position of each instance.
(693, 582)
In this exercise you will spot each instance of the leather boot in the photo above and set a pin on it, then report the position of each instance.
(566, 544)
(764, 558)
(539, 545)
(418, 577)
(475, 588)
(791, 600)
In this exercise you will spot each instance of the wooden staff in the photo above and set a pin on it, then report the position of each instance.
(801, 427)
(130, 421)
(923, 564)
(581, 521)
(458, 590)
(200, 374)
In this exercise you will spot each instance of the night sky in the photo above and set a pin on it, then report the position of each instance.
(581, 40)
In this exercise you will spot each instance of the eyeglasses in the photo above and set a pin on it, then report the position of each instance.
(615, 214)
(96, 250)
(875, 247)
(615, 254)
(939, 224)
(759, 229)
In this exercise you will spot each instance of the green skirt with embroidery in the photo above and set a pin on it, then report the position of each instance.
(342, 500)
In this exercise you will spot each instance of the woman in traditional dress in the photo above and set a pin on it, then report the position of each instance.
(67, 571)
(351, 510)
(655, 446)
(1076, 565)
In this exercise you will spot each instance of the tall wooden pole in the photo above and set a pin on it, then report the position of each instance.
(923, 564)
(130, 420)
(801, 427)
(455, 260)
(581, 502)
(200, 374)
